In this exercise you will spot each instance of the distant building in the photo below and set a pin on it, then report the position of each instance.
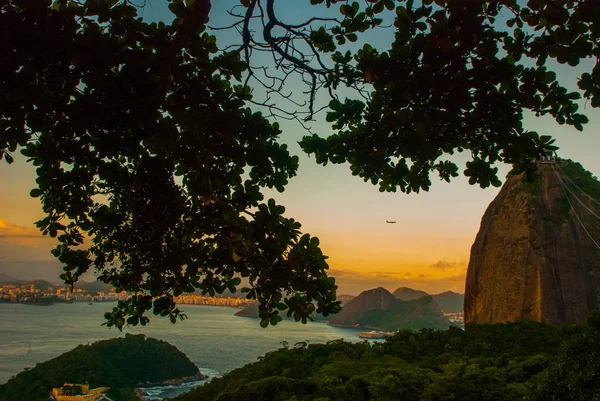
(549, 155)
(78, 392)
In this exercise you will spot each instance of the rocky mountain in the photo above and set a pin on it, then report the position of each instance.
(379, 309)
(358, 307)
(345, 298)
(449, 301)
(408, 294)
(537, 253)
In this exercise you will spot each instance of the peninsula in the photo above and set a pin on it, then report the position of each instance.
(120, 363)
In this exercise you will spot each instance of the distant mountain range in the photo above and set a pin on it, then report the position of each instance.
(449, 302)
(42, 285)
(408, 294)
(92, 287)
(380, 309)
(5, 279)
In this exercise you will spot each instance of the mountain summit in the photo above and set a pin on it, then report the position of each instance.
(537, 253)
(408, 294)
(379, 309)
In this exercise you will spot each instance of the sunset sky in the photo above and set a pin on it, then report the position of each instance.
(428, 248)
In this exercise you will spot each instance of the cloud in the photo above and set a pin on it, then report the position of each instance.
(19, 235)
(442, 265)
(15, 234)
(25, 253)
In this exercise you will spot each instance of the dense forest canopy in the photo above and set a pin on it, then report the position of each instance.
(151, 156)
(516, 361)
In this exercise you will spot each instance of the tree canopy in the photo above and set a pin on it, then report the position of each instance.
(151, 155)
(515, 361)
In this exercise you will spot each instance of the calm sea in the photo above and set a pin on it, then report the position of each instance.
(212, 337)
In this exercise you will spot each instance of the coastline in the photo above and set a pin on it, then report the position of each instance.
(175, 382)
(143, 390)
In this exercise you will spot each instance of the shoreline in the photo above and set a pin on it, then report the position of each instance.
(141, 390)
(174, 382)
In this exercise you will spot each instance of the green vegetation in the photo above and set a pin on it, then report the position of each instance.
(580, 180)
(517, 361)
(533, 183)
(584, 179)
(120, 364)
(577, 181)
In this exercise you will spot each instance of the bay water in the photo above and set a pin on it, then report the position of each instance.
(212, 337)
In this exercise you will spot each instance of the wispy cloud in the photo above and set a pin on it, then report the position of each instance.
(13, 233)
(443, 265)
(25, 253)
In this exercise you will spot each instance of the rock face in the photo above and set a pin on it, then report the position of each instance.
(408, 294)
(534, 256)
(379, 309)
(353, 311)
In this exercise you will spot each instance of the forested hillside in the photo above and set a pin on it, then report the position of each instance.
(516, 361)
(120, 363)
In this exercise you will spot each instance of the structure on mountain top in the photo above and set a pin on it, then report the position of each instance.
(551, 157)
(537, 253)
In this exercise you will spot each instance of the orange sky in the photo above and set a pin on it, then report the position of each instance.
(426, 249)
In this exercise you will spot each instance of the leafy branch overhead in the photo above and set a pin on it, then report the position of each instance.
(150, 163)
(150, 168)
(458, 76)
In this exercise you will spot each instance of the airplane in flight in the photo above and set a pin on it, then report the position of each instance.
(390, 222)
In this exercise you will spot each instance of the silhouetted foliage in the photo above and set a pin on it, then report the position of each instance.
(143, 145)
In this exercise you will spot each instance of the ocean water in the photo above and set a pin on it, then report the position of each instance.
(212, 337)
